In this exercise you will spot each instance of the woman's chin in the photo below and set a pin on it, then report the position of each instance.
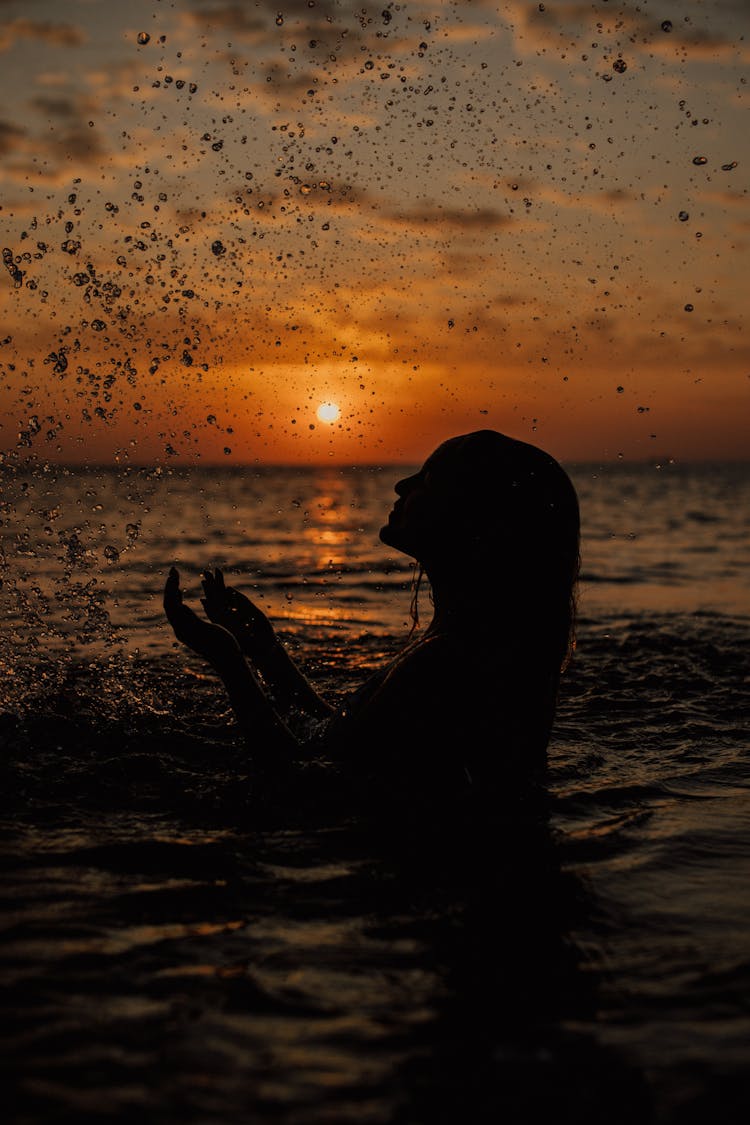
(392, 537)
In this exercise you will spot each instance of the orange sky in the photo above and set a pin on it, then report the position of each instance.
(439, 216)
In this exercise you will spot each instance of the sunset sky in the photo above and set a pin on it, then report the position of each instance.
(217, 216)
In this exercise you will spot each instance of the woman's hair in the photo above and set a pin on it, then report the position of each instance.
(513, 516)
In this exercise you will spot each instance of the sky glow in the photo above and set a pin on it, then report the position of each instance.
(438, 216)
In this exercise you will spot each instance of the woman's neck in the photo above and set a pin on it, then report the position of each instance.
(457, 605)
(460, 603)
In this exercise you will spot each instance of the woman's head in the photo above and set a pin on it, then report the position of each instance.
(485, 506)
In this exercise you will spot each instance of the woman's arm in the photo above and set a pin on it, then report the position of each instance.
(255, 635)
(405, 712)
(268, 737)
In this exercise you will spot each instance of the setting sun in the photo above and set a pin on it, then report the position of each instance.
(328, 412)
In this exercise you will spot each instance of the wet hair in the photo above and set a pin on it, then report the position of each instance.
(514, 517)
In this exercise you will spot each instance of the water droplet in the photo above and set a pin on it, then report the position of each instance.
(12, 268)
(620, 390)
(666, 25)
(700, 160)
(729, 167)
(227, 450)
(279, 20)
(620, 66)
(683, 216)
(689, 307)
(143, 38)
(98, 325)
(218, 248)
(59, 361)
(111, 553)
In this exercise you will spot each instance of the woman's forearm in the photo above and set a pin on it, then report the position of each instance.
(288, 685)
(267, 735)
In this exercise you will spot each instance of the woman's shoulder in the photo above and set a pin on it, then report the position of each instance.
(456, 653)
(422, 683)
(435, 659)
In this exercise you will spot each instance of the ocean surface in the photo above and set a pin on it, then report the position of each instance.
(177, 946)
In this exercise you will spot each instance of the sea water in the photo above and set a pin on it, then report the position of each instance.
(176, 947)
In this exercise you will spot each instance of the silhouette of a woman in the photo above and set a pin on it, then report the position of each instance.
(493, 522)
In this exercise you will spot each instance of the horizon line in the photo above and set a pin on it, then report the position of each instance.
(152, 466)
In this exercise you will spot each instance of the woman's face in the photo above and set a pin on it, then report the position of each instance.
(421, 511)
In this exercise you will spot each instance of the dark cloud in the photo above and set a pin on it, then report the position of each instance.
(78, 143)
(726, 198)
(284, 84)
(326, 26)
(68, 109)
(325, 10)
(56, 34)
(633, 31)
(10, 137)
(235, 17)
(693, 43)
(67, 136)
(263, 16)
(480, 220)
(48, 154)
(606, 201)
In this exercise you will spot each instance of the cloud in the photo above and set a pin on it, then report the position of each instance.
(66, 108)
(326, 34)
(283, 88)
(66, 138)
(482, 219)
(698, 46)
(77, 143)
(54, 34)
(53, 155)
(699, 35)
(324, 19)
(236, 18)
(11, 138)
(725, 198)
(602, 202)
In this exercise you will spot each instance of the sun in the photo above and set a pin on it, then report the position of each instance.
(329, 412)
